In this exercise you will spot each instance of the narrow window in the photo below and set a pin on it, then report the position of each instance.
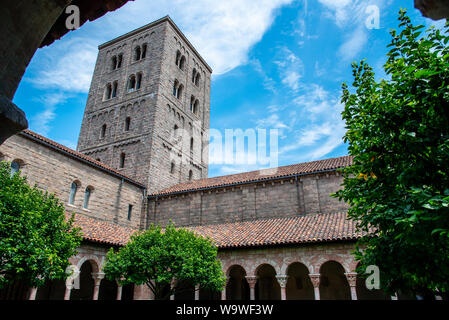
(175, 88)
(137, 54)
(108, 92)
(73, 189)
(178, 57)
(132, 83)
(182, 62)
(191, 144)
(179, 93)
(195, 107)
(130, 211)
(193, 75)
(172, 167)
(114, 90)
(144, 51)
(119, 61)
(127, 123)
(114, 62)
(87, 195)
(190, 175)
(103, 131)
(192, 101)
(139, 81)
(122, 160)
(15, 167)
(197, 79)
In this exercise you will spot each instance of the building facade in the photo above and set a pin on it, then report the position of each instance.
(142, 158)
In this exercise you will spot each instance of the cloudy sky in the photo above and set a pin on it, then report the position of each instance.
(278, 64)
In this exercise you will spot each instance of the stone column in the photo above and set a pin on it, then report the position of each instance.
(197, 292)
(68, 290)
(33, 292)
(315, 279)
(97, 276)
(282, 279)
(72, 282)
(252, 280)
(172, 285)
(352, 280)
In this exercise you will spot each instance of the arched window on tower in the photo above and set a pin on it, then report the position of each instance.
(192, 101)
(194, 75)
(139, 81)
(197, 79)
(178, 57)
(172, 167)
(73, 190)
(87, 195)
(127, 123)
(175, 88)
(137, 53)
(103, 131)
(182, 62)
(114, 63)
(196, 107)
(119, 61)
(179, 93)
(144, 51)
(190, 175)
(191, 144)
(108, 92)
(114, 89)
(122, 160)
(131, 83)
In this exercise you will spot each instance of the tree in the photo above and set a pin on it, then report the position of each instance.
(398, 185)
(36, 241)
(165, 261)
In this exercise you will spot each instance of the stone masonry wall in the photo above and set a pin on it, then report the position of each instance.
(53, 171)
(272, 199)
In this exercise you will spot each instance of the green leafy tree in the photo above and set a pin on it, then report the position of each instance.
(398, 185)
(36, 240)
(157, 257)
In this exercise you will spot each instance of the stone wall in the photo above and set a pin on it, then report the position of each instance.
(54, 171)
(270, 199)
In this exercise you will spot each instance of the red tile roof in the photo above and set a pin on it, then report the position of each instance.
(313, 228)
(103, 232)
(76, 154)
(260, 175)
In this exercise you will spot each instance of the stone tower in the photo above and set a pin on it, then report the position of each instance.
(148, 110)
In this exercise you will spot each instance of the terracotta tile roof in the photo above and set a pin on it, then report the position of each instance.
(78, 155)
(281, 231)
(260, 175)
(315, 228)
(103, 232)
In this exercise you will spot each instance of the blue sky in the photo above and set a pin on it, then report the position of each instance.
(278, 64)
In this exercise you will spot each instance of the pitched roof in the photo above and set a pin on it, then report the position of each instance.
(330, 164)
(103, 232)
(78, 155)
(313, 228)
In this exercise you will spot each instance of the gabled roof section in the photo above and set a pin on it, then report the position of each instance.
(77, 155)
(307, 229)
(306, 168)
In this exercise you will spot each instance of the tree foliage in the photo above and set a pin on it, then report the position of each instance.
(157, 257)
(36, 241)
(398, 185)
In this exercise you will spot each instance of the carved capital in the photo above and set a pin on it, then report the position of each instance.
(252, 280)
(315, 279)
(282, 279)
(352, 278)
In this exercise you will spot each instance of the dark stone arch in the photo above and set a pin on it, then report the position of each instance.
(86, 283)
(333, 282)
(267, 286)
(108, 290)
(299, 285)
(237, 287)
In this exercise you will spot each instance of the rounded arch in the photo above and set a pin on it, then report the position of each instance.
(237, 287)
(267, 286)
(333, 282)
(94, 261)
(299, 286)
(316, 267)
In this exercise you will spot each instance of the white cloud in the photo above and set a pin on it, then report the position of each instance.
(69, 66)
(291, 68)
(41, 121)
(353, 44)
